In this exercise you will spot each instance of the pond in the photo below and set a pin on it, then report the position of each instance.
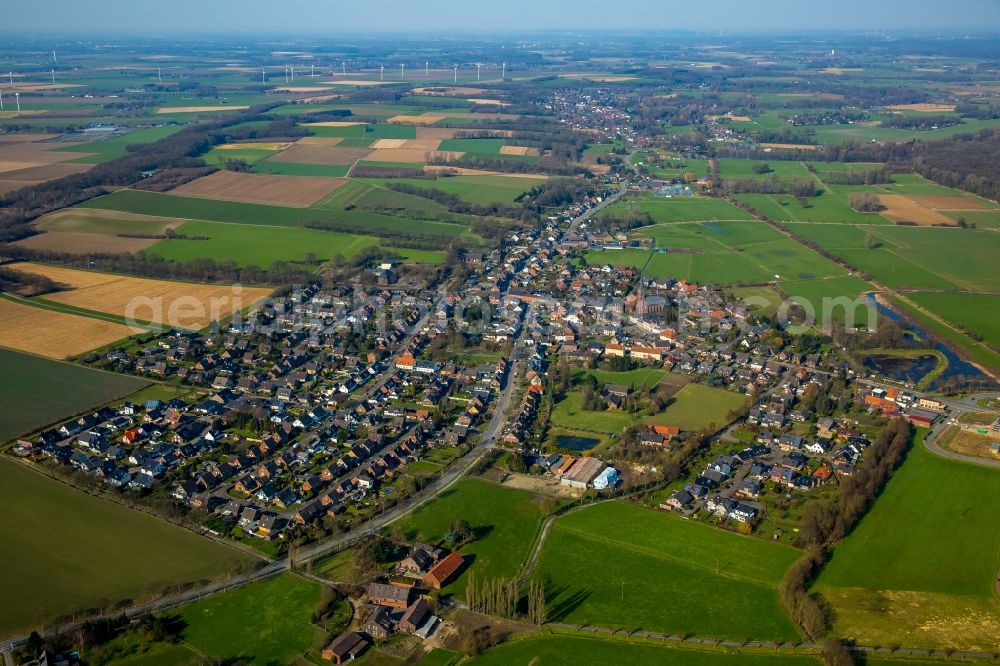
(957, 367)
(576, 443)
(901, 369)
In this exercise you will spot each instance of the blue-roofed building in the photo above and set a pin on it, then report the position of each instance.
(606, 479)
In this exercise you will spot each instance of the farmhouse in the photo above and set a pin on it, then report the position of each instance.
(345, 647)
(389, 595)
(442, 572)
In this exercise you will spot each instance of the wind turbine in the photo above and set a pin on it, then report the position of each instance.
(456, 73)
(427, 69)
(292, 69)
(53, 77)
(1, 101)
(381, 72)
(478, 67)
(312, 71)
(262, 80)
(54, 56)
(503, 71)
(159, 75)
(17, 98)
(402, 71)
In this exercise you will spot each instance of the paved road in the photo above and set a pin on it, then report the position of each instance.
(931, 442)
(623, 188)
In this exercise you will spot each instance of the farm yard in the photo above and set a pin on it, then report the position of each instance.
(52, 333)
(178, 304)
(53, 576)
(613, 564)
(37, 392)
(503, 521)
(920, 569)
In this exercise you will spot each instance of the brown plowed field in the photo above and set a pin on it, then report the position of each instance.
(299, 191)
(305, 153)
(903, 209)
(518, 150)
(411, 155)
(949, 202)
(83, 242)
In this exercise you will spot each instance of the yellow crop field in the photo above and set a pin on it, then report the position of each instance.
(177, 304)
(54, 334)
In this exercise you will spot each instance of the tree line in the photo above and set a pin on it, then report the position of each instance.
(150, 265)
(824, 524)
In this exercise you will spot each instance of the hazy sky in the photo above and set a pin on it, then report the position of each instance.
(454, 16)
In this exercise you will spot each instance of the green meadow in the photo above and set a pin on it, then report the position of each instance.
(976, 313)
(261, 245)
(920, 569)
(503, 521)
(620, 565)
(53, 574)
(566, 650)
(474, 189)
(268, 622)
(698, 407)
(679, 209)
(192, 208)
(37, 391)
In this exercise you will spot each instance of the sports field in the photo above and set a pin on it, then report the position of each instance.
(36, 392)
(697, 407)
(66, 551)
(561, 650)
(920, 569)
(503, 519)
(267, 622)
(619, 565)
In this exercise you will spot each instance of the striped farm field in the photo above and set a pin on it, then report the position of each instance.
(37, 392)
(54, 334)
(260, 188)
(344, 196)
(180, 304)
(191, 208)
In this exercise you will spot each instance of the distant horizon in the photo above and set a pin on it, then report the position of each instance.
(316, 18)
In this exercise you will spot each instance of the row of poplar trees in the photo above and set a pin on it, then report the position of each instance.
(501, 597)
